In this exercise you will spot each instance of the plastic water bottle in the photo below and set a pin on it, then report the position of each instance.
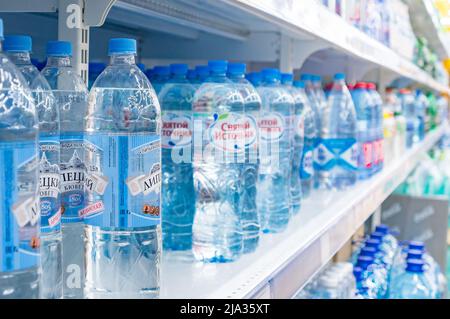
(412, 122)
(249, 178)
(310, 133)
(202, 72)
(123, 181)
(380, 267)
(375, 276)
(19, 223)
(421, 111)
(363, 107)
(388, 237)
(363, 291)
(316, 106)
(161, 74)
(178, 206)
(377, 128)
(337, 155)
(296, 133)
(219, 145)
(316, 81)
(412, 284)
(18, 49)
(275, 153)
(95, 68)
(70, 94)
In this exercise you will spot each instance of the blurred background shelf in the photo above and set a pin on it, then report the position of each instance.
(284, 263)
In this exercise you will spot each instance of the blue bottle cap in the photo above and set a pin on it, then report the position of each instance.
(384, 229)
(121, 46)
(415, 265)
(287, 77)
(161, 70)
(357, 272)
(178, 68)
(1, 29)
(364, 262)
(377, 235)
(254, 78)
(191, 74)
(17, 43)
(141, 66)
(418, 245)
(218, 66)
(237, 68)
(202, 70)
(316, 78)
(96, 67)
(299, 84)
(59, 48)
(306, 77)
(339, 76)
(414, 254)
(372, 242)
(368, 251)
(270, 74)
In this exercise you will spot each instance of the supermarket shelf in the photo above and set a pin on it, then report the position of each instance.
(425, 24)
(284, 262)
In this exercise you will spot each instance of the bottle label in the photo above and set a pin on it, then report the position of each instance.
(333, 152)
(176, 129)
(271, 126)
(307, 169)
(367, 154)
(378, 151)
(72, 172)
(49, 183)
(19, 206)
(123, 180)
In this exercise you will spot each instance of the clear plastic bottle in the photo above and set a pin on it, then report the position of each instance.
(123, 181)
(70, 94)
(421, 111)
(364, 113)
(317, 110)
(412, 284)
(275, 153)
(161, 74)
(18, 49)
(178, 208)
(219, 144)
(374, 276)
(297, 132)
(337, 155)
(412, 121)
(377, 128)
(310, 133)
(19, 222)
(393, 103)
(249, 178)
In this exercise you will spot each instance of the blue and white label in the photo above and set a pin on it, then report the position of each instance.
(307, 168)
(49, 183)
(72, 170)
(336, 152)
(19, 206)
(123, 180)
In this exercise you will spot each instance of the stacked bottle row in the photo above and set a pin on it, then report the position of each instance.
(385, 268)
(85, 169)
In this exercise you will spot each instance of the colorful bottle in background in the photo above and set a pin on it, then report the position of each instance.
(275, 153)
(178, 206)
(297, 131)
(306, 166)
(18, 49)
(71, 96)
(219, 158)
(123, 181)
(364, 113)
(252, 109)
(19, 202)
(336, 160)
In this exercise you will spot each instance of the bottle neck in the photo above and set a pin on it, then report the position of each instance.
(20, 58)
(59, 61)
(122, 59)
(236, 76)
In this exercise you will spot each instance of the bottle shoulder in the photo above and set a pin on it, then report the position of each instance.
(123, 77)
(64, 79)
(221, 95)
